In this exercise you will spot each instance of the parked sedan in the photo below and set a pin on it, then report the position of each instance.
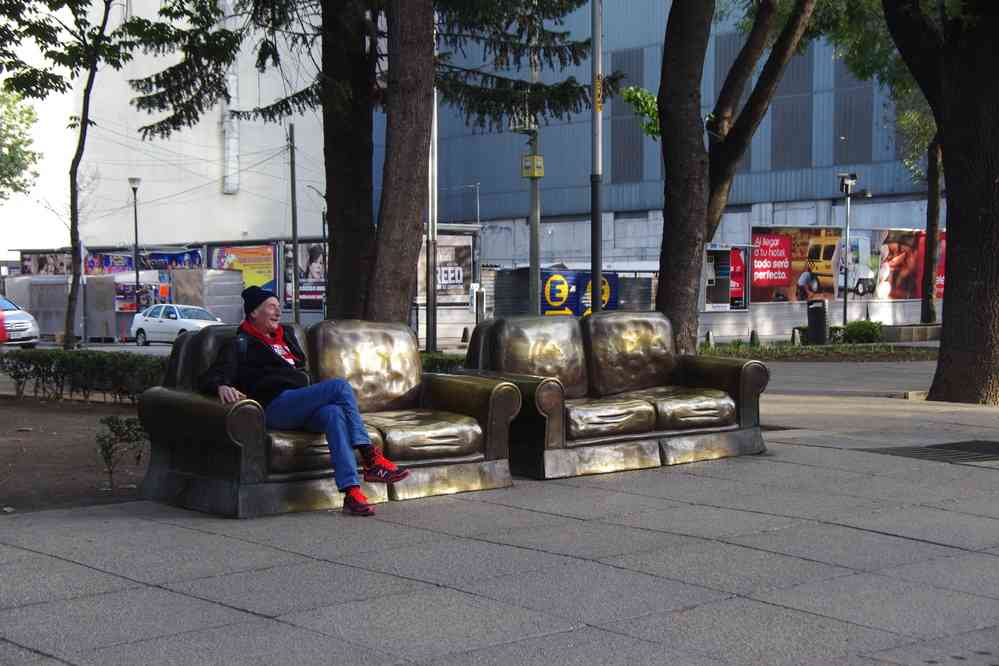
(21, 327)
(163, 323)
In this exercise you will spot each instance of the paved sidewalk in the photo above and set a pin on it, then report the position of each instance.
(877, 379)
(812, 553)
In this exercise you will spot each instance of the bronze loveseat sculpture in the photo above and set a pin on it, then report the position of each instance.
(608, 392)
(450, 430)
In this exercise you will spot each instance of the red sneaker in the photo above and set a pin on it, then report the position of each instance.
(356, 504)
(379, 469)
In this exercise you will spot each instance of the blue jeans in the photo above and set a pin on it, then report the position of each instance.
(328, 407)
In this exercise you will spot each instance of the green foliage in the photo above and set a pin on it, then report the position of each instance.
(56, 374)
(441, 362)
(863, 331)
(831, 352)
(17, 160)
(646, 107)
(505, 36)
(121, 437)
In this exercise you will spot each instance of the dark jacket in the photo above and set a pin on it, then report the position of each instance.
(251, 366)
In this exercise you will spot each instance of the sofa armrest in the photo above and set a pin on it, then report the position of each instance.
(192, 432)
(492, 402)
(741, 379)
(543, 409)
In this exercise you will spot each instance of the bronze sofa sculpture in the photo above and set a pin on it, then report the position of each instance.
(449, 430)
(607, 392)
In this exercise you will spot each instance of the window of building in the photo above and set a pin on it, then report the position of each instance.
(627, 139)
(727, 48)
(853, 118)
(791, 116)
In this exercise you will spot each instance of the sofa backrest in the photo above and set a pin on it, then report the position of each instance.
(381, 361)
(628, 351)
(196, 352)
(543, 346)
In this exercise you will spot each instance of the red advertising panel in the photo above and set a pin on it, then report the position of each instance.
(938, 284)
(771, 260)
(737, 278)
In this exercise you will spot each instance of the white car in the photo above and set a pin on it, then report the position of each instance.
(21, 327)
(163, 323)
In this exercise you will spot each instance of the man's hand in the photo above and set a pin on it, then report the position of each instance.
(229, 395)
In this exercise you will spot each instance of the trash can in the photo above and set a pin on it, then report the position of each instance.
(818, 322)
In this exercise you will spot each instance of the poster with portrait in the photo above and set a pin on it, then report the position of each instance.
(109, 263)
(454, 270)
(311, 267)
(255, 261)
(173, 260)
(46, 263)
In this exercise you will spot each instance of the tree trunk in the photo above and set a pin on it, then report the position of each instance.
(349, 90)
(69, 328)
(685, 160)
(954, 65)
(407, 142)
(928, 312)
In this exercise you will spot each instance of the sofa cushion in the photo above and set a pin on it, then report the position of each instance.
(381, 361)
(597, 417)
(683, 407)
(627, 351)
(541, 346)
(419, 434)
(301, 451)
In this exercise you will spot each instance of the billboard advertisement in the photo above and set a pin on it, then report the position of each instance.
(803, 263)
(566, 292)
(46, 263)
(311, 275)
(454, 270)
(255, 261)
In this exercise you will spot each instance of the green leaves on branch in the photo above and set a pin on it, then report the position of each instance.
(17, 159)
(646, 107)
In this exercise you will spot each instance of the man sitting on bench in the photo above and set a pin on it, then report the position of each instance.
(264, 363)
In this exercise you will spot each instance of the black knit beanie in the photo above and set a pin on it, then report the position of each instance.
(253, 297)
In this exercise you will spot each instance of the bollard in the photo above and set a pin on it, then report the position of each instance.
(709, 340)
(464, 335)
(795, 337)
(754, 338)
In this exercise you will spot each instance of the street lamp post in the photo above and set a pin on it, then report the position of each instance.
(134, 184)
(847, 181)
(597, 157)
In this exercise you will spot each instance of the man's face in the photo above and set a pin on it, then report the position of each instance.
(267, 316)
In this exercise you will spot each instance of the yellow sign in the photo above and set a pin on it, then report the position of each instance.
(604, 294)
(598, 93)
(556, 290)
(532, 166)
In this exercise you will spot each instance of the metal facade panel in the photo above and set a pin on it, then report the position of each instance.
(883, 142)
(853, 125)
(797, 78)
(822, 138)
(823, 65)
(727, 47)
(627, 138)
(791, 139)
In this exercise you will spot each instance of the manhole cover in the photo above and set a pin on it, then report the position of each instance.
(953, 452)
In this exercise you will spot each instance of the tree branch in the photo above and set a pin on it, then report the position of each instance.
(918, 43)
(742, 69)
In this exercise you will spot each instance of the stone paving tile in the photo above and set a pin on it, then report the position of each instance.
(771, 472)
(973, 573)
(10, 554)
(704, 521)
(40, 578)
(460, 517)
(586, 503)
(846, 460)
(583, 646)
(589, 539)
(902, 607)
(428, 624)
(285, 589)
(263, 642)
(728, 568)
(987, 506)
(322, 534)
(13, 655)
(451, 560)
(843, 546)
(743, 631)
(975, 648)
(148, 551)
(591, 592)
(944, 527)
(68, 628)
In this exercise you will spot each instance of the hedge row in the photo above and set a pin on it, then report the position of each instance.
(54, 374)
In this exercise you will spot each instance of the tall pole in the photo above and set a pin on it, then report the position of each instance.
(846, 254)
(597, 152)
(294, 225)
(535, 237)
(432, 235)
(134, 184)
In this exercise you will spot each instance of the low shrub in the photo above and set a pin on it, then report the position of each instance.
(55, 374)
(441, 362)
(863, 332)
(121, 437)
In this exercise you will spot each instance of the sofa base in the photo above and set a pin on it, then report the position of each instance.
(227, 497)
(599, 459)
(451, 479)
(681, 449)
